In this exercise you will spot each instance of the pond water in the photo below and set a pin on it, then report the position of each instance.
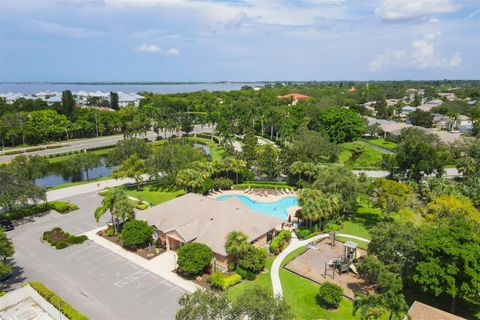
(58, 174)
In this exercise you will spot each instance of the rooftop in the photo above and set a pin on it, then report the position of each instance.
(421, 311)
(205, 220)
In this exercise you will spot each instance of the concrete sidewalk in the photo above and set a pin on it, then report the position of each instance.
(86, 188)
(163, 265)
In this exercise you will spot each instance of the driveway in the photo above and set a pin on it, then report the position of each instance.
(95, 280)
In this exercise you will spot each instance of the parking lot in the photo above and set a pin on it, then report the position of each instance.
(96, 281)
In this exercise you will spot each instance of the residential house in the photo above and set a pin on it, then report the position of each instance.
(294, 98)
(407, 110)
(462, 123)
(195, 218)
(450, 96)
(421, 311)
(430, 105)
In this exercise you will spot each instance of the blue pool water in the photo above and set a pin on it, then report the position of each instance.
(277, 208)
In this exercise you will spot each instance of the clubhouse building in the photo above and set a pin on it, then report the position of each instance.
(195, 218)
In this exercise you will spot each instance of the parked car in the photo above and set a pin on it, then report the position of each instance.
(7, 225)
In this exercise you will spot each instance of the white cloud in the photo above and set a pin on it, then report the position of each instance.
(148, 48)
(153, 48)
(398, 10)
(63, 30)
(421, 55)
(172, 52)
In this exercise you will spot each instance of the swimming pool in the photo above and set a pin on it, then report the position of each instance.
(277, 208)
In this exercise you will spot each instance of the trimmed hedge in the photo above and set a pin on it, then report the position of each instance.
(280, 242)
(264, 185)
(68, 239)
(246, 274)
(59, 206)
(64, 307)
(222, 281)
(305, 233)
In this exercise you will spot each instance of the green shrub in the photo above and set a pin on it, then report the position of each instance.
(62, 206)
(136, 232)
(64, 307)
(217, 280)
(140, 205)
(253, 260)
(68, 239)
(222, 183)
(329, 295)
(246, 274)
(231, 280)
(304, 232)
(61, 245)
(280, 242)
(59, 206)
(194, 257)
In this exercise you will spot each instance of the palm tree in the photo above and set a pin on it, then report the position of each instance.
(370, 306)
(236, 245)
(317, 205)
(297, 168)
(237, 167)
(115, 201)
(395, 303)
(190, 179)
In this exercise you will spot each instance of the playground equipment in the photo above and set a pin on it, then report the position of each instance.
(344, 263)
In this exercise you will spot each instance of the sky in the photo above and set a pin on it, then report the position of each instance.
(238, 40)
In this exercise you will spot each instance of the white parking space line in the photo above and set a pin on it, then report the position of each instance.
(110, 270)
(77, 249)
(102, 250)
(103, 256)
(116, 259)
(131, 278)
(147, 290)
(157, 297)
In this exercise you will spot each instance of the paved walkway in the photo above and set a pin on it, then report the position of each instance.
(374, 146)
(295, 244)
(85, 188)
(163, 265)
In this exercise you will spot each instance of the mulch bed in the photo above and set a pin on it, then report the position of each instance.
(57, 235)
(202, 281)
(144, 252)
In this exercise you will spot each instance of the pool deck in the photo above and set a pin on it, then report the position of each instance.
(255, 197)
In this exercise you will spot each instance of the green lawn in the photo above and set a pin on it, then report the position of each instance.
(263, 279)
(60, 158)
(369, 158)
(386, 144)
(154, 193)
(216, 151)
(301, 293)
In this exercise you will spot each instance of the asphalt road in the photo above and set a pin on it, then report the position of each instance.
(96, 281)
(75, 145)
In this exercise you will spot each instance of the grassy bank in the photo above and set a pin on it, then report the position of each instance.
(154, 193)
(359, 156)
(77, 183)
(382, 143)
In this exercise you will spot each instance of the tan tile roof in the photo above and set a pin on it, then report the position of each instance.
(205, 220)
(421, 311)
